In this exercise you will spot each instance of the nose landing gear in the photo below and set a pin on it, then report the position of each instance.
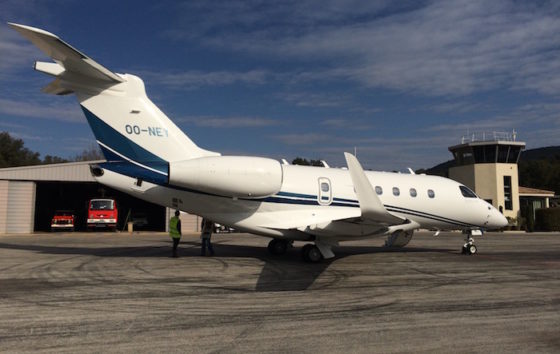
(469, 247)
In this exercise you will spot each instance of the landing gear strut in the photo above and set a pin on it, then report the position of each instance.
(469, 246)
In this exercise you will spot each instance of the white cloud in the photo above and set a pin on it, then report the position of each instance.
(312, 99)
(197, 79)
(228, 122)
(50, 111)
(435, 48)
(12, 43)
(303, 138)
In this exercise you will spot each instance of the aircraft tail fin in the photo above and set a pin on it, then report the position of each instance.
(135, 136)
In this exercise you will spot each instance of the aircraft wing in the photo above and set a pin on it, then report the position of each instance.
(68, 58)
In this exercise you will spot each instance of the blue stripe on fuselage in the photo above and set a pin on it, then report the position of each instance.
(124, 146)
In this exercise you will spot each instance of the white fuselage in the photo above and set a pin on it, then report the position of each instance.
(305, 206)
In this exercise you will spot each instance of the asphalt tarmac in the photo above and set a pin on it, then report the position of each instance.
(106, 292)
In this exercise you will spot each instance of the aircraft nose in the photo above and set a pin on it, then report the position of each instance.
(497, 219)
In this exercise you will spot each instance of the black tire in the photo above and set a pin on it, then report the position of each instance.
(277, 247)
(311, 253)
(305, 251)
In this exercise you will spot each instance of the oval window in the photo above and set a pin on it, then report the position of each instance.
(396, 191)
(431, 193)
(413, 192)
(378, 190)
(325, 187)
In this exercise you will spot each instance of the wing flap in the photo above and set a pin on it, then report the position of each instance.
(71, 59)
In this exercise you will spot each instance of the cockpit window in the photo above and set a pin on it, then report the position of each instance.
(467, 193)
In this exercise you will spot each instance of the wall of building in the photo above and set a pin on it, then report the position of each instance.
(3, 205)
(17, 206)
(189, 222)
(487, 181)
(464, 175)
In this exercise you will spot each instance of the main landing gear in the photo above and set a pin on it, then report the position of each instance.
(469, 247)
(309, 252)
(278, 246)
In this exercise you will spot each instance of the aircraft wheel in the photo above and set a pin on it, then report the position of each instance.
(471, 249)
(311, 253)
(277, 247)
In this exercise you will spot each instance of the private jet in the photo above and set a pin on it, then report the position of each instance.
(149, 157)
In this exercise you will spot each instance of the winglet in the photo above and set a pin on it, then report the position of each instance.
(370, 204)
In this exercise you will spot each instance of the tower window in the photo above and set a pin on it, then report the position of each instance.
(507, 193)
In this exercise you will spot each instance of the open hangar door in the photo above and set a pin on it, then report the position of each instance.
(52, 196)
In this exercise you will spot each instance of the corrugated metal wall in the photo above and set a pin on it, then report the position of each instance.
(3, 205)
(17, 207)
(71, 172)
(189, 222)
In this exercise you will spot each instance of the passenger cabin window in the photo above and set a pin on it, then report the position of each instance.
(378, 190)
(413, 192)
(467, 193)
(396, 191)
(431, 193)
(325, 187)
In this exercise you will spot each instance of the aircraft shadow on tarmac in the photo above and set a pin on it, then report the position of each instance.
(279, 273)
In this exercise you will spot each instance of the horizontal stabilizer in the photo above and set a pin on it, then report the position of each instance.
(370, 204)
(69, 58)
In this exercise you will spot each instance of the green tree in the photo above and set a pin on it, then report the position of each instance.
(304, 162)
(542, 174)
(53, 159)
(89, 154)
(13, 153)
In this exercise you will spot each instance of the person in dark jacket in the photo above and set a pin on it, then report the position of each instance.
(207, 229)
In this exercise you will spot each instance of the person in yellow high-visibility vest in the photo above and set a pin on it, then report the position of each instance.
(175, 231)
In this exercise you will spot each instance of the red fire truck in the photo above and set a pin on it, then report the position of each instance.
(102, 213)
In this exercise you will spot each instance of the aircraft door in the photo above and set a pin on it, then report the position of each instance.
(325, 191)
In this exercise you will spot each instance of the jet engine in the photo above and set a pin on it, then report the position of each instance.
(399, 238)
(231, 176)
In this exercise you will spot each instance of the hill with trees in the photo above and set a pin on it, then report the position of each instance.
(13, 153)
(538, 168)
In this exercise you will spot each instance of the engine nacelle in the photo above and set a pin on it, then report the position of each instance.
(231, 176)
(399, 238)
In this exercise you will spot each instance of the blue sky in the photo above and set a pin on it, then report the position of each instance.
(400, 81)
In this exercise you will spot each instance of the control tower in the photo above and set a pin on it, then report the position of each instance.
(487, 163)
